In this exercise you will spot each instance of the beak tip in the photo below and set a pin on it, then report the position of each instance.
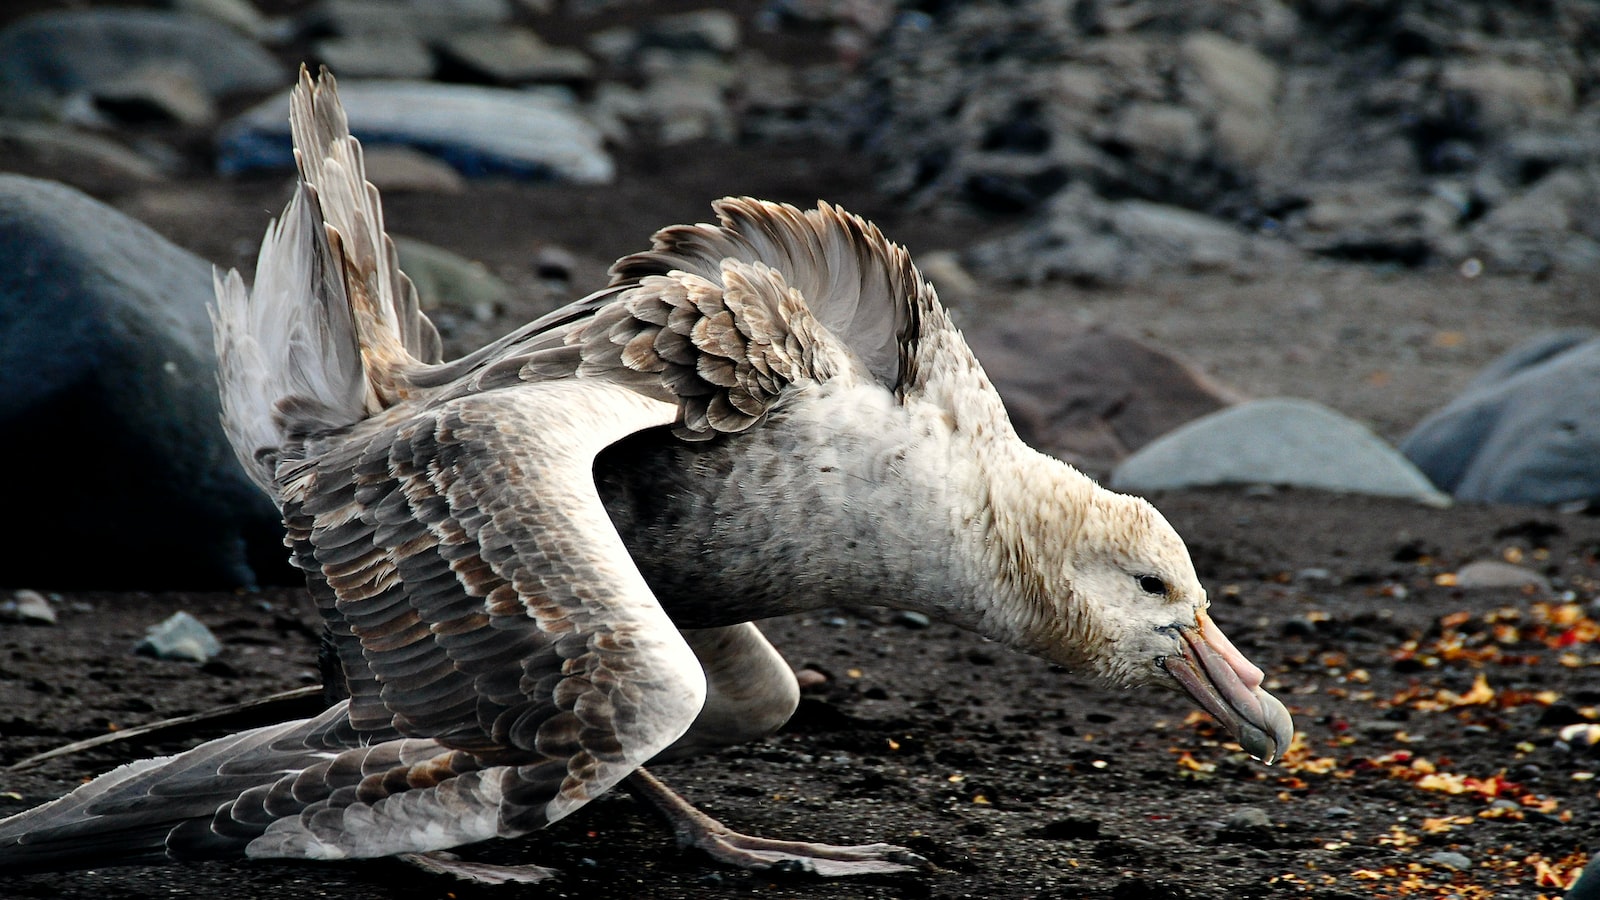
(1277, 729)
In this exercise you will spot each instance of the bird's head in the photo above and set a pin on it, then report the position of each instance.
(1123, 603)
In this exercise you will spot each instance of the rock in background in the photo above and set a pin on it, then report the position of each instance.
(1526, 430)
(1275, 442)
(1413, 133)
(117, 469)
(1088, 395)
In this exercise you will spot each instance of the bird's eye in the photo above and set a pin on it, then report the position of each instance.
(1150, 584)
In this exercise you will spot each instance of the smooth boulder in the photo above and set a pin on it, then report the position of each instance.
(1275, 442)
(1525, 431)
(48, 58)
(479, 130)
(1088, 394)
(118, 473)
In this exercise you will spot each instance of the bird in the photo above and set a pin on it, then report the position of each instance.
(538, 566)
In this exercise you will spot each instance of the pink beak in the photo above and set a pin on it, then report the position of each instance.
(1228, 686)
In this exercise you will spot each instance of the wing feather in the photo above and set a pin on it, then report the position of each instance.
(478, 594)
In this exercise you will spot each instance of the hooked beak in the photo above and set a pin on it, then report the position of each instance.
(1228, 686)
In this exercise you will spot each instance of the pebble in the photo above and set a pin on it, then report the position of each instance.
(27, 607)
(516, 56)
(909, 619)
(1276, 441)
(1451, 860)
(1337, 812)
(1299, 626)
(809, 678)
(446, 280)
(1246, 818)
(180, 637)
(1585, 733)
(554, 263)
(1492, 573)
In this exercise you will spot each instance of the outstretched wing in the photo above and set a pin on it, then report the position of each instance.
(721, 318)
(478, 594)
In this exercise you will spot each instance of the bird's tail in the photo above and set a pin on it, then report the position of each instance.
(306, 789)
(326, 336)
(155, 810)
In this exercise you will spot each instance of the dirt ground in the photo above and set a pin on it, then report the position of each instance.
(1430, 716)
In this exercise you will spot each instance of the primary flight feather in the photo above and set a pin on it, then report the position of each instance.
(538, 565)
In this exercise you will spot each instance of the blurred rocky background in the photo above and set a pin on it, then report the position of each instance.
(1151, 217)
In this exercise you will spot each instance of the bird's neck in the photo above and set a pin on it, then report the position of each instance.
(1022, 511)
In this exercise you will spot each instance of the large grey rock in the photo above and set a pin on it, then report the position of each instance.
(515, 56)
(85, 160)
(1087, 394)
(1277, 442)
(421, 18)
(1527, 430)
(1085, 238)
(375, 56)
(1545, 226)
(48, 58)
(239, 15)
(1262, 114)
(1504, 95)
(479, 130)
(120, 476)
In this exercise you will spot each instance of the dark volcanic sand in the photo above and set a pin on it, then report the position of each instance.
(1018, 779)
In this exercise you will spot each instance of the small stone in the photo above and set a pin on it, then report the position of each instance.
(1492, 573)
(180, 637)
(1299, 626)
(909, 619)
(554, 263)
(1337, 812)
(1247, 818)
(1450, 860)
(27, 607)
(1582, 733)
(810, 679)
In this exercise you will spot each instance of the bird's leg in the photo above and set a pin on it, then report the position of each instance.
(440, 862)
(696, 829)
